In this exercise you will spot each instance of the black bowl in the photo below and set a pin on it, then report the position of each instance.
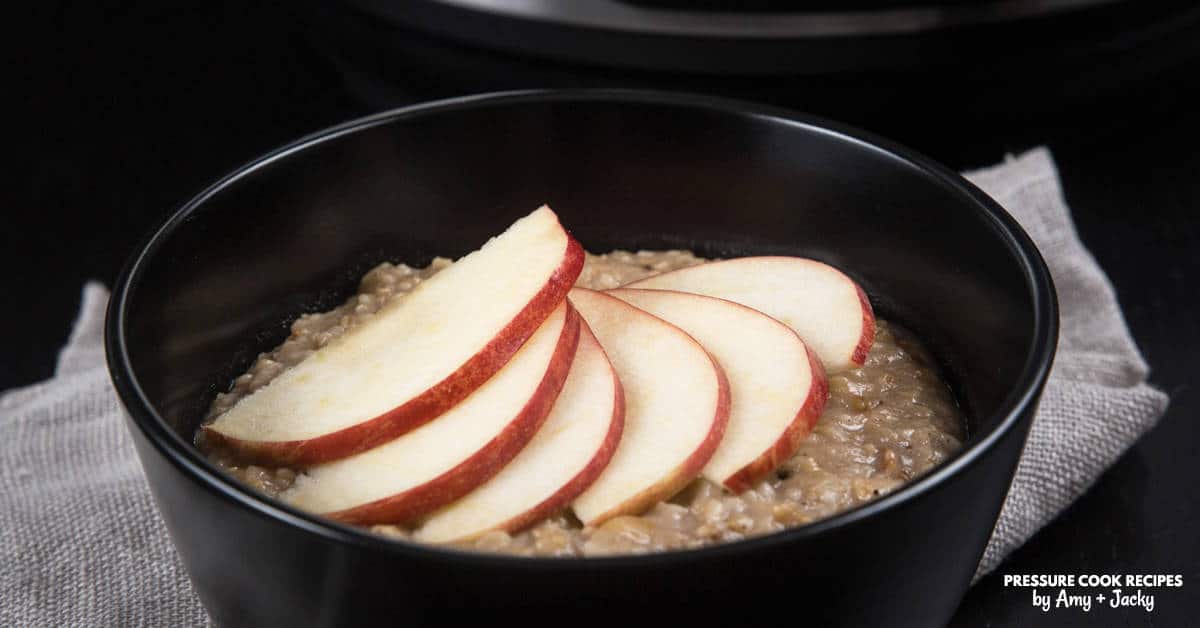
(291, 232)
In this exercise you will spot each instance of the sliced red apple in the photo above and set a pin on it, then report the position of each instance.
(777, 388)
(828, 309)
(568, 453)
(676, 408)
(446, 458)
(416, 358)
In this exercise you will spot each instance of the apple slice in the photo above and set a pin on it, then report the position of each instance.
(445, 459)
(416, 358)
(777, 388)
(676, 408)
(568, 453)
(829, 311)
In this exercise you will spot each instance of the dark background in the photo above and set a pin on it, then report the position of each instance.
(129, 110)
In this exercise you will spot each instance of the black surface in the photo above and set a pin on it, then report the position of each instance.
(127, 113)
(227, 270)
(1075, 89)
(987, 36)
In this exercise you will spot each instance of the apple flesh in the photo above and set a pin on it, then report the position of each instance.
(446, 458)
(777, 388)
(568, 453)
(828, 309)
(676, 408)
(415, 359)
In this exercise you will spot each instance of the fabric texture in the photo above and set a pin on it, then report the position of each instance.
(81, 543)
(1096, 403)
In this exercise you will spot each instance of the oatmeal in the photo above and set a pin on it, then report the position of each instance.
(886, 422)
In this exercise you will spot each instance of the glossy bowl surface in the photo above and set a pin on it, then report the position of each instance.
(221, 279)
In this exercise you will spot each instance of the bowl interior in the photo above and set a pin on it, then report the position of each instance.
(292, 234)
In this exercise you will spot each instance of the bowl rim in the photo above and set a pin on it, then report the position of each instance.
(185, 456)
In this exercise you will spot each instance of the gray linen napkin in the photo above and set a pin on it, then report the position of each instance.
(1097, 402)
(82, 544)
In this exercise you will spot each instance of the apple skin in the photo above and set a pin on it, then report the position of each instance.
(868, 329)
(562, 498)
(429, 404)
(485, 463)
(797, 431)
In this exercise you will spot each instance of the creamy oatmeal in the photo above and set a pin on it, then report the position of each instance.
(885, 423)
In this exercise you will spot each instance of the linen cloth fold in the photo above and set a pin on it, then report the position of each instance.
(81, 542)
